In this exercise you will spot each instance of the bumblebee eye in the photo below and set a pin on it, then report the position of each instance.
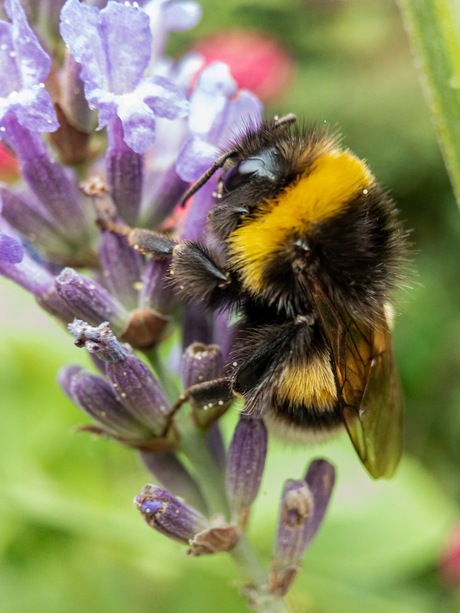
(264, 166)
(239, 174)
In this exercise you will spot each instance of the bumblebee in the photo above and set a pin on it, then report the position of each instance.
(309, 249)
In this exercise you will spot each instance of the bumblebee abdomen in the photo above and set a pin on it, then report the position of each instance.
(305, 401)
(303, 423)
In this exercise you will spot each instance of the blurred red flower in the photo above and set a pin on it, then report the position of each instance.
(8, 165)
(257, 62)
(449, 565)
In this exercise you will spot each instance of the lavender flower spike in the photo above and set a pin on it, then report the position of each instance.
(113, 46)
(24, 66)
(168, 515)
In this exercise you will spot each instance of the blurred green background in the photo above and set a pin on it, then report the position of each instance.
(70, 538)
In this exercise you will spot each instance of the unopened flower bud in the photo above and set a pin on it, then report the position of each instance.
(89, 300)
(201, 363)
(97, 399)
(168, 470)
(168, 515)
(125, 173)
(197, 325)
(122, 268)
(29, 219)
(246, 461)
(303, 506)
(133, 382)
(157, 291)
(50, 184)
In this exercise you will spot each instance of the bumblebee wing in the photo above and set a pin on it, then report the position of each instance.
(368, 386)
(375, 423)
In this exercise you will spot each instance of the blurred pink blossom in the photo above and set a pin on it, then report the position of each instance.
(449, 565)
(257, 62)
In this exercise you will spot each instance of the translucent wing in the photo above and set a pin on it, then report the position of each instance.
(368, 386)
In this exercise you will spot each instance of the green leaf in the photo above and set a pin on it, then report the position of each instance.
(434, 29)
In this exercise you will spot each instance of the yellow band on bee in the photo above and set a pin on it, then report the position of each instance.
(308, 383)
(328, 186)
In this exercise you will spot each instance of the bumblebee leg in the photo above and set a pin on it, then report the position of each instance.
(197, 274)
(146, 241)
(209, 400)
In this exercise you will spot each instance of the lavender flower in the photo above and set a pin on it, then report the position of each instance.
(24, 66)
(113, 46)
(67, 239)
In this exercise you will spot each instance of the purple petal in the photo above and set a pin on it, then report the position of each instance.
(196, 219)
(24, 66)
(139, 391)
(195, 157)
(34, 109)
(164, 97)
(11, 250)
(244, 111)
(125, 173)
(138, 123)
(112, 45)
(320, 478)
(80, 31)
(32, 61)
(181, 15)
(128, 40)
(10, 79)
(214, 90)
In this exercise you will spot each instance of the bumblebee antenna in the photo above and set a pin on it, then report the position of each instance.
(280, 122)
(218, 163)
(286, 120)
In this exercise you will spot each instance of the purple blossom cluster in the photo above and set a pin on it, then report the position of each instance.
(109, 133)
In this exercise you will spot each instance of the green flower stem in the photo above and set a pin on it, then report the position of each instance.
(434, 30)
(165, 378)
(212, 481)
(248, 562)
